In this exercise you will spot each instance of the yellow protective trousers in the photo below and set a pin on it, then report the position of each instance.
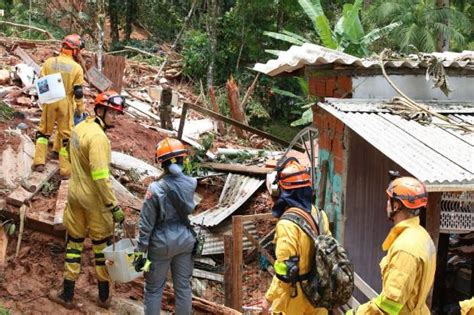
(82, 217)
(55, 113)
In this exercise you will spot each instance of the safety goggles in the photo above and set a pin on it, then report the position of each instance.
(116, 101)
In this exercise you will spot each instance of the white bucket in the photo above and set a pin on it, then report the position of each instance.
(122, 269)
(50, 88)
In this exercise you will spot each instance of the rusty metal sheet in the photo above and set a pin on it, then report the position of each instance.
(114, 68)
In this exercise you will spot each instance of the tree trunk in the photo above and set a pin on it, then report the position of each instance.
(236, 110)
(132, 9)
(442, 43)
(114, 21)
(211, 28)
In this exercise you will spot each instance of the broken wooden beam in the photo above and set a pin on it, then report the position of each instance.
(20, 195)
(238, 168)
(231, 121)
(114, 67)
(259, 247)
(228, 252)
(61, 202)
(3, 248)
(237, 247)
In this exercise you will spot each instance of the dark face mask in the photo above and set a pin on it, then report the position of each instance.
(300, 198)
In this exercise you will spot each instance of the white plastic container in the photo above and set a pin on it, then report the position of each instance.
(122, 269)
(50, 88)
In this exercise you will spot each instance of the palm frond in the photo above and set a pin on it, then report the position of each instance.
(301, 38)
(286, 93)
(284, 37)
(306, 118)
(312, 8)
(378, 33)
(274, 52)
(325, 32)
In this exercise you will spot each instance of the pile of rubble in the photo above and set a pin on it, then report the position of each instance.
(231, 182)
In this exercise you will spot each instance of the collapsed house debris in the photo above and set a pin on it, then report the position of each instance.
(42, 197)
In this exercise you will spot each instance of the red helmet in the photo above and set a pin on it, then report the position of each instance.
(409, 191)
(293, 175)
(110, 99)
(169, 148)
(73, 42)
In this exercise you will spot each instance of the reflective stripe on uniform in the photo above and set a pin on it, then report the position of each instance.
(280, 268)
(387, 305)
(63, 152)
(100, 174)
(42, 140)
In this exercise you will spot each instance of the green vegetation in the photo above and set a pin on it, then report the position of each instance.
(227, 37)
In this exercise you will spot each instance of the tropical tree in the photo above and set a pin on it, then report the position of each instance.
(347, 35)
(422, 23)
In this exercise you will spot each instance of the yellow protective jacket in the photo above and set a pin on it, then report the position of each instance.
(90, 156)
(408, 271)
(290, 241)
(72, 75)
(467, 307)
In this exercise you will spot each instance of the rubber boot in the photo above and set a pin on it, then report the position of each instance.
(65, 297)
(41, 149)
(64, 164)
(104, 294)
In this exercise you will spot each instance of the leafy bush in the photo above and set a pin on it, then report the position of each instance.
(195, 54)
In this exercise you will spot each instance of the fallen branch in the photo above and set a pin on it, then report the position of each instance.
(140, 51)
(249, 92)
(50, 36)
(23, 209)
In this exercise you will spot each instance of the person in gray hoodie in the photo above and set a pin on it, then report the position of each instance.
(165, 233)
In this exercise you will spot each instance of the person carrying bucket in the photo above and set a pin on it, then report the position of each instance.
(92, 207)
(61, 112)
(165, 232)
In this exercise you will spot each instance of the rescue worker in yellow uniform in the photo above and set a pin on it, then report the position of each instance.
(61, 112)
(467, 307)
(295, 191)
(91, 207)
(408, 269)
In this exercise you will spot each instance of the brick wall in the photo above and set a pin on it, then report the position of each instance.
(340, 86)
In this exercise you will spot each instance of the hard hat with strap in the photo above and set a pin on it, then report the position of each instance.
(169, 148)
(73, 43)
(409, 191)
(291, 175)
(110, 99)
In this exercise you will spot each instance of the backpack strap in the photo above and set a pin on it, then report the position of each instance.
(306, 216)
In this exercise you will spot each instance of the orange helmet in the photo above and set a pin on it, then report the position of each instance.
(169, 148)
(73, 42)
(409, 191)
(293, 175)
(110, 99)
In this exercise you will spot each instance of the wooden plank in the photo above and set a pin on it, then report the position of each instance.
(61, 202)
(258, 216)
(204, 274)
(255, 243)
(3, 248)
(114, 67)
(237, 233)
(233, 122)
(38, 222)
(238, 168)
(20, 195)
(98, 80)
(228, 252)
(364, 287)
(25, 57)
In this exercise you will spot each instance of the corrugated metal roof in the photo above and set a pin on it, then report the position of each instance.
(237, 189)
(214, 240)
(310, 54)
(442, 158)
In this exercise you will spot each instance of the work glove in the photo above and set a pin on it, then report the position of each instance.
(118, 214)
(140, 262)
